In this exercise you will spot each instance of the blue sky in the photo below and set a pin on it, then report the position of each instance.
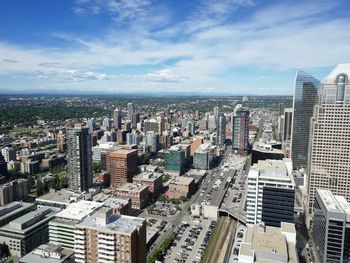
(200, 46)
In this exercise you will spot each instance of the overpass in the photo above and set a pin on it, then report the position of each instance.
(236, 215)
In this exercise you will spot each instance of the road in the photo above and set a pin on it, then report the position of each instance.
(212, 176)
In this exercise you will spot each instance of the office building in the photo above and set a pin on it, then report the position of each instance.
(49, 253)
(96, 150)
(9, 154)
(122, 166)
(175, 159)
(331, 228)
(306, 90)
(203, 125)
(27, 232)
(153, 180)
(240, 130)
(151, 125)
(221, 131)
(287, 126)
(61, 227)
(269, 244)
(117, 119)
(197, 142)
(181, 186)
(105, 237)
(91, 125)
(329, 162)
(106, 124)
(152, 140)
(136, 192)
(135, 118)
(13, 210)
(131, 110)
(265, 151)
(133, 138)
(191, 127)
(15, 190)
(270, 194)
(204, 156)
(79, 159)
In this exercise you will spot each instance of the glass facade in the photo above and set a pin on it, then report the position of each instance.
(305, 98)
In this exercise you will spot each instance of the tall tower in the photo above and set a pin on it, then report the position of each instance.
(79, 159)
(221, 133)
(117, 119)
(329, 155)
(240, 130)
(131, 110)
(306, 90)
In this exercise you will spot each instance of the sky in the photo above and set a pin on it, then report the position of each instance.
(238, 47)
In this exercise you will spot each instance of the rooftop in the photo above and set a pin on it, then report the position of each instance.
(79, 210)
(13, 208)
(114, 223)
(182, 180)
(341, 68)
(334, 203)
(61, 196)
(132, 187)
(150, 176)
(48, 253)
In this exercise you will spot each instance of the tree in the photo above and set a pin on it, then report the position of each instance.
(39, 187)
(96, 167)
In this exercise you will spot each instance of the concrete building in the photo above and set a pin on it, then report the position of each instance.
(61, 227)
(240, 130)
(30, 167)
(270, 194)
(266, 151)
(131, 109)
(306, 89)
(3, 166)
(197, 141)
(137, 193)
(96, 150)
(61, 198)
(117, 119)
(79, 159)
(287, 126)
(329, 162)
(27, 232)
(133, 138)
(204, 156)
(9, 154)
(151, 125)
(122, 165)
(13, 210)
(13, 191)
(175, 160)
(221, 131)
(119, 206)
(331, 228)
(49, 253)
(105, 237)
(181, 186)
(269, 244)
(154, 181)
(152, 139)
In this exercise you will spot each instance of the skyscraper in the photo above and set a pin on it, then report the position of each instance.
(221, 132)
(131, 110)
(287, 126)
(240, 130)
(305, 98)
(329, 155)
(117, 119)
(79, 159)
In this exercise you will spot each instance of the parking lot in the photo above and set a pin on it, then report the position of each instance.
(191, 241)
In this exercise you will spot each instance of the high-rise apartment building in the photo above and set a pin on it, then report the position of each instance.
(79, 159)
(122, 166)
(3, 166)
(9, 154)
(287, 126)
(331, 228)
(106, 237)
(329, 156)
(117, 119)
(151, 125)
(131, 110)
(270, 194)
(240, 130)
(306, 90)
(221, 131)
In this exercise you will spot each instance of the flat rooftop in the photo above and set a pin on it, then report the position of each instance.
(132, 187)
(266, 242)
(334, 203)
(46, 254)
(182, 180)
(272, 168)
(79, 210)
(113, 202)
(116, 223)
(266, 148)
(61, 196)
(148, 176)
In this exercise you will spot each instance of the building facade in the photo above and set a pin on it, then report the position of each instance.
(240, 130)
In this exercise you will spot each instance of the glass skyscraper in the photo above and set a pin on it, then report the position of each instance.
(305, 98)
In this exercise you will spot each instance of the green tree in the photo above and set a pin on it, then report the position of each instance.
(39, 187)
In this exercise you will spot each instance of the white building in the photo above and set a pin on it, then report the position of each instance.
(270, 194)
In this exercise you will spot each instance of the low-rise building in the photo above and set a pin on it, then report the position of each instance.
(181, 186)
(154, 181)
(137, 193)
(105, 237)
(49, 253)
(61, 198)
(269, 244)
(27, 232)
